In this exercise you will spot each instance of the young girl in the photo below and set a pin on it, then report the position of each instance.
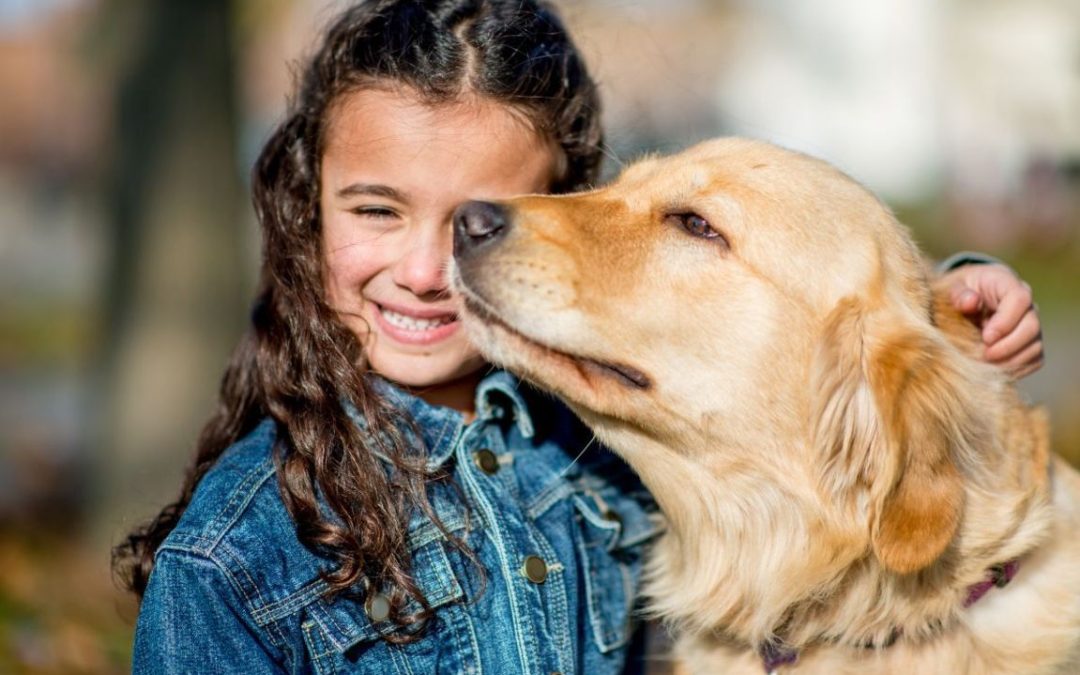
(369, 497)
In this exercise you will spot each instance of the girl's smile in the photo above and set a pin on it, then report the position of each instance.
(394, 169)
(416, 326)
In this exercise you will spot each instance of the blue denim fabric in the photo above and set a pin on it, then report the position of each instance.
(965, 258)
(233, 590)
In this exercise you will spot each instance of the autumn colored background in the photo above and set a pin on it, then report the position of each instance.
(128, 249)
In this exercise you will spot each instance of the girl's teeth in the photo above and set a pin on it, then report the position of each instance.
(409, 323)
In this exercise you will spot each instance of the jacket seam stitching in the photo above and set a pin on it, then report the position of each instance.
(297, 600)
(240, 498)
(548, 498)
(254, 600)
(231, 580)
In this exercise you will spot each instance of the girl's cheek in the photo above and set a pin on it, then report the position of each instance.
(345, 278)
(351, 268)
(334, 295)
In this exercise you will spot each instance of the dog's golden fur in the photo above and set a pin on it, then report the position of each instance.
(836, 464)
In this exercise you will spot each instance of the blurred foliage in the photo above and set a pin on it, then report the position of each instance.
(46, 334)
(56, 615)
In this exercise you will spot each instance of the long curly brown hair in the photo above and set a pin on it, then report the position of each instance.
(299, 364)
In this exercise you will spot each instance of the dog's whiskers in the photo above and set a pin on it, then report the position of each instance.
(571, 464)
(606, 150)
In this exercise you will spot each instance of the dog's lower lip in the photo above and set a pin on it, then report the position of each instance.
(625, 374)
(628, 375)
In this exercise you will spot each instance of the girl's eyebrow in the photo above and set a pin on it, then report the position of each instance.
(373, 190)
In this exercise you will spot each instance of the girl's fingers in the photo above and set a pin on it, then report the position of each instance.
(1027, 360)
(1014, 307)
(965, 300)
(1001, 303)
(1022, 334)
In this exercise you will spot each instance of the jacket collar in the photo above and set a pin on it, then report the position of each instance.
(439, 427)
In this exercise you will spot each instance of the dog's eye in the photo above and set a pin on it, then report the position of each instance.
(695, 225)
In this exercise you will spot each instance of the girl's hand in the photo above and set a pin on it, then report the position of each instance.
(996, 300)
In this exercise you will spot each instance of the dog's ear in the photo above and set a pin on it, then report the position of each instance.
(892, 418)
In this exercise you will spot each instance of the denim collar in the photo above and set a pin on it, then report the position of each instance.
(497, 398)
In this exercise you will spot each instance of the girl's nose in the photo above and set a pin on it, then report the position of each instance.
(422, 270)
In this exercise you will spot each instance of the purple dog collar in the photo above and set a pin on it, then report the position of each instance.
(998, 576)
(774, 653)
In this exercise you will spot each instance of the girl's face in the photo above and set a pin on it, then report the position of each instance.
(393, 171)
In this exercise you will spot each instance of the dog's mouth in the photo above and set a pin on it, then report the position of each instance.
(477, 308)
(631, 377)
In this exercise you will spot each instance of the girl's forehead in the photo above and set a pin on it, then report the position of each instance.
(473, 139)
(383, 116)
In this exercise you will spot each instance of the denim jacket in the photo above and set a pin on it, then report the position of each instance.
(233, 589)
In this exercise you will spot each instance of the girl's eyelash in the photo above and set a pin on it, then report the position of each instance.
(374, 212)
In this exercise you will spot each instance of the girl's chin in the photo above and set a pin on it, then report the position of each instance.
(416, 371)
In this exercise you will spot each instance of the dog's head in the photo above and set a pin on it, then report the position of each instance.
(736, 301)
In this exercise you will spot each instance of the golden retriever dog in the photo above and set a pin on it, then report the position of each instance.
(848, 488)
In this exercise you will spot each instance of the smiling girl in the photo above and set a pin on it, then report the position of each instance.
(369, 496)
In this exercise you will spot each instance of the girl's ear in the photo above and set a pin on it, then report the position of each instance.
(893, 414)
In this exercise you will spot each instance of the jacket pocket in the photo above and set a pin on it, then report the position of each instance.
(343, 633)
(611, 536)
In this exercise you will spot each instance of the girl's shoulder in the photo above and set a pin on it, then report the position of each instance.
(238, 521)
(230, 491)
(231, 576)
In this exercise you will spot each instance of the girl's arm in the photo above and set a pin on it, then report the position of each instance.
(192, 620)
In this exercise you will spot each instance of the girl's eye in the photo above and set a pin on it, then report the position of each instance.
(695, 225)
(374, 212)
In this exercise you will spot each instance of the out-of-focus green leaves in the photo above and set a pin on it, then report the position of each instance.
(58, 613)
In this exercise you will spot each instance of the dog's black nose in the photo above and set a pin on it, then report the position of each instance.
(477, 224)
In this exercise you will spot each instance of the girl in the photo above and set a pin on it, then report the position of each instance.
(368, 496)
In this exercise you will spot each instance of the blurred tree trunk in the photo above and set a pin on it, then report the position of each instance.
(177, 285)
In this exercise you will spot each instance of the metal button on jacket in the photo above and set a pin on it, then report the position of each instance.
(487, 461)
(535, 569)
(377, 607)
(612, 516)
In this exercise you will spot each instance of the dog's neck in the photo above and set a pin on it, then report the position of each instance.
(756, 550)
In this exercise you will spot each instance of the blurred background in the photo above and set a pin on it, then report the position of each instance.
(128, 249)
